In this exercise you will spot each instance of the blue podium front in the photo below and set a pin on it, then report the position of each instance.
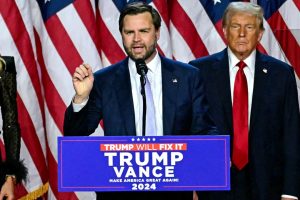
(165, 163)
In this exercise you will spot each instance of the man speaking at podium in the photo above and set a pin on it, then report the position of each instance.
(144, 94)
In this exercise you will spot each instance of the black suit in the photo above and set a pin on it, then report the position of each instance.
(184, 110)
(274, 132)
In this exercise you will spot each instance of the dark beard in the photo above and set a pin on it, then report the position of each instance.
(148, 54)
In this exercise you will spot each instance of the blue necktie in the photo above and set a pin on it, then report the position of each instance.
(150, 112)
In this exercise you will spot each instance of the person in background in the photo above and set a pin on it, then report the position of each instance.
(113, 94)
(253, 97)
(12, 170)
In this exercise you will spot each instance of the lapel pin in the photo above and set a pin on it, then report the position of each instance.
(174, 80)
(265, 70)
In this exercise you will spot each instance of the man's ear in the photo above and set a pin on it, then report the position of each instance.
(260, 34)
(224, 32)
(157, 33)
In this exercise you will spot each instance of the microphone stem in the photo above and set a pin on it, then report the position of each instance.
(143, 82)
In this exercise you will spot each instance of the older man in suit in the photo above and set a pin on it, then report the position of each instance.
(253, 97)
(113, 94)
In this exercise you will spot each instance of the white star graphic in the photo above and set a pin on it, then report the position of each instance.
(47, 1)
(217, 1)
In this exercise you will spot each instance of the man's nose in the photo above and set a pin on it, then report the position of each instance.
(137, 36)
(242, 32)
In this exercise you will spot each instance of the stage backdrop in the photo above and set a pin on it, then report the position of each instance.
(50, 38)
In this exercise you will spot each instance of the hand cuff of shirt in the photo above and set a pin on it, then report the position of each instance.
(78, 106)
(289, 196)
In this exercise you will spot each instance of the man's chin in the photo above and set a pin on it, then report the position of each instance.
(137, 57)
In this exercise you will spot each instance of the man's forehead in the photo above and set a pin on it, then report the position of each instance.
(243, 18)
(242, 15)
(138, 15)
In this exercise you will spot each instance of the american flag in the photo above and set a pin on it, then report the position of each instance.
(50, 38)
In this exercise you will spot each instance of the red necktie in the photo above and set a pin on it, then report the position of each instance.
(240, 118)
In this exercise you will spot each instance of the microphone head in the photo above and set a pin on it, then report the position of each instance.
(141, 67)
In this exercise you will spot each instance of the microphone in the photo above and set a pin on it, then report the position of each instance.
(142, 70)
(141, 67)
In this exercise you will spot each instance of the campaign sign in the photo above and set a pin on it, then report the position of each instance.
(162, 163)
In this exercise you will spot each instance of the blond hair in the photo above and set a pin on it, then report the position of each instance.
(245, 7)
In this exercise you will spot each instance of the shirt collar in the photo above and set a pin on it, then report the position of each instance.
(250, 60)
(152, 65)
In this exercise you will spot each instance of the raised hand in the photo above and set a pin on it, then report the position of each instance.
(83, 80)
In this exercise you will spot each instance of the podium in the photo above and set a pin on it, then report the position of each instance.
(126, 163)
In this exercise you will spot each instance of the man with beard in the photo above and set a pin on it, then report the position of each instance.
(113, 94)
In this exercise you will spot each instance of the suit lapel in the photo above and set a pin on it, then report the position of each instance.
(260, 84)
(169, 91)
(124, 97)
(222, 82)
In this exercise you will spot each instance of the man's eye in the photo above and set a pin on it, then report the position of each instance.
(251, 27)
(235, 26)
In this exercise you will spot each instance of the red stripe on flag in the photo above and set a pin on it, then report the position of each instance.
(261, 48)
(85, 11)
(219, 28)
(55, 104)
(108, 43)
(286, 39)
(31, 140)
(15, 24)
(162, 8)
(188, 31)
(297, 3)
(20, 191)
(53, 180)
(63, 43)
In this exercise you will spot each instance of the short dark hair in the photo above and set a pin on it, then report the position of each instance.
(138, 8)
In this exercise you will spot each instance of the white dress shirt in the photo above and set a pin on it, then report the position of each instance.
(249, 73)
(155, 79)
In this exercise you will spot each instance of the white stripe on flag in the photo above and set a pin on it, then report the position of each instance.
(205, 28)
(25, 90)
(34, 180)
(110, 15)
(181, 50)
(79, 35)
(291, 16)
(270, 43)
(164, 42)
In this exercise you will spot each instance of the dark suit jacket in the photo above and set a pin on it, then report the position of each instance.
(274, 136)
(184, 107)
